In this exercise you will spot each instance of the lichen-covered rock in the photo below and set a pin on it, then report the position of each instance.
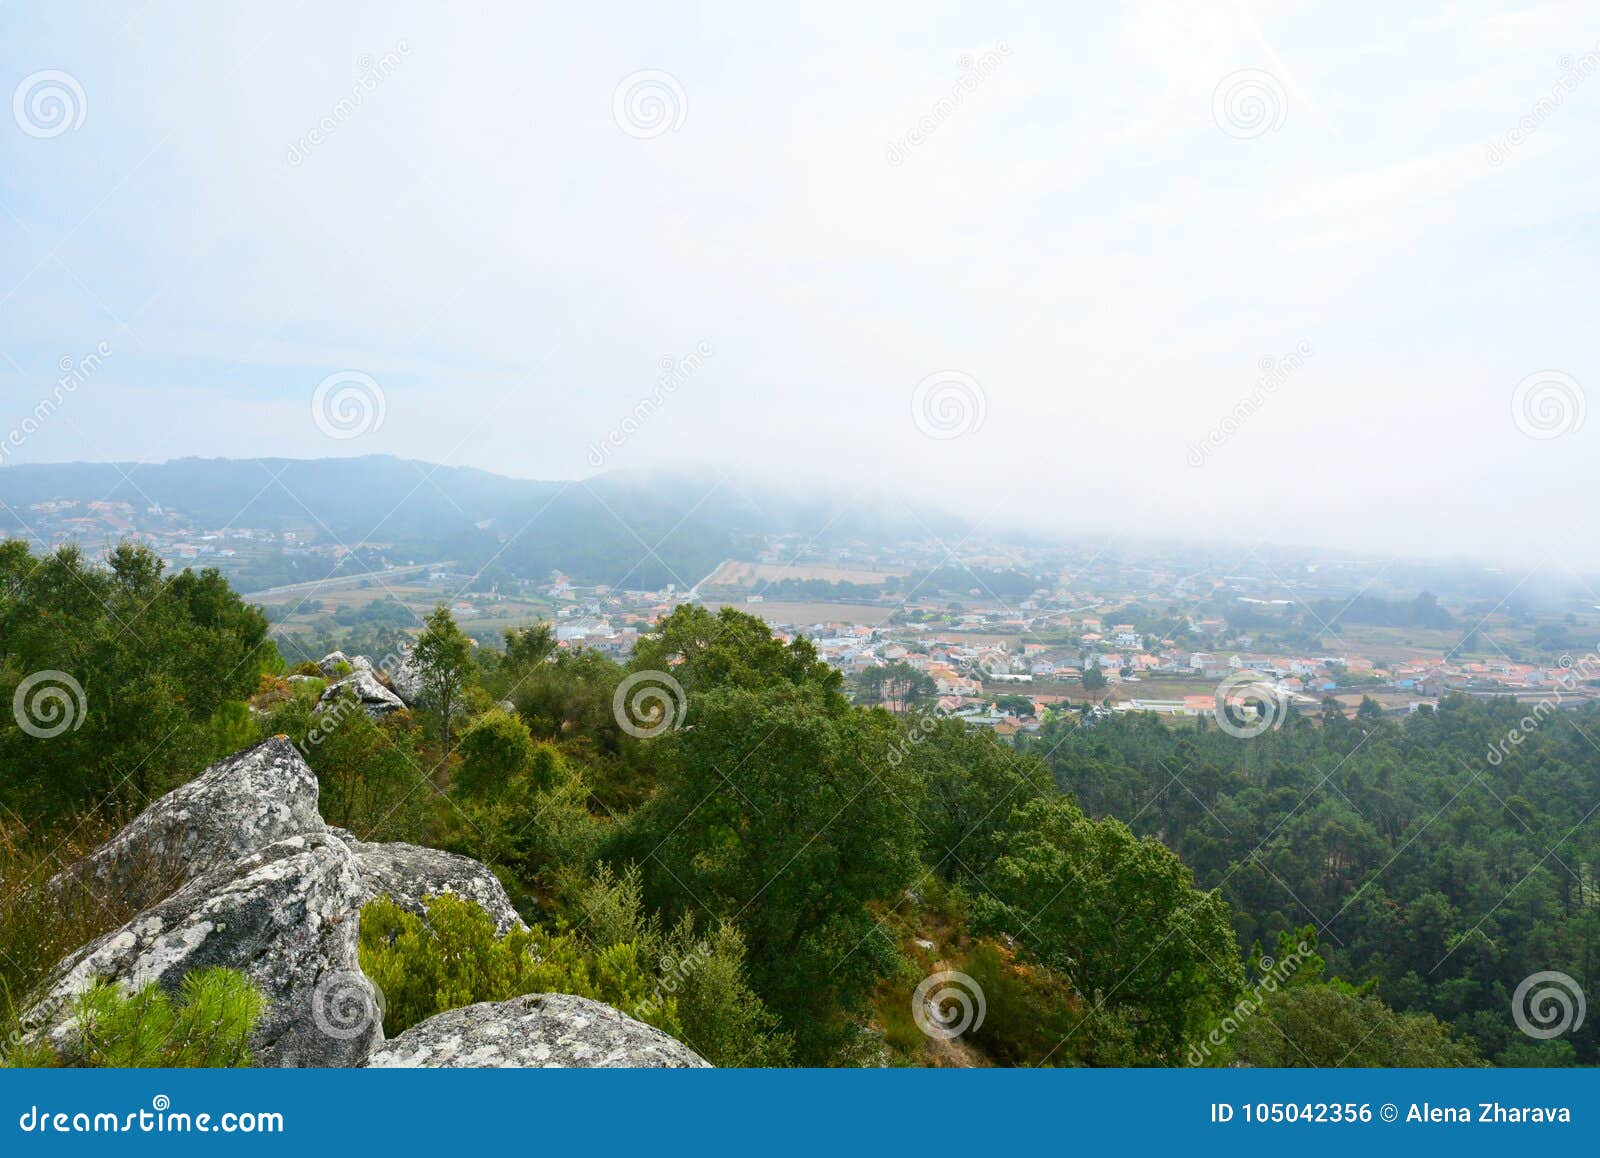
(404, 677)
(375, 699)
(286, 916)
(408, 873)
(541, 1030)
(238, 805)
(333, 664)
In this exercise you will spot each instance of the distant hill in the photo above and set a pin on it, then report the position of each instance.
(638, 530)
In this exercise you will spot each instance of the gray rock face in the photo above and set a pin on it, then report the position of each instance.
(236, 806)
(332, 663)
(405, 677)
(375, 699)
(238, 869)
(541, 1030)
(286, 916)
(408, 873)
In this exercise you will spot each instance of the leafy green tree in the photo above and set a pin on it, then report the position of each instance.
(1330, 1025)
(133, 676)
(898, 686)
(443, 656)
(529, 646)
(496, 747)
(1094, 679)
(730, 648)
(1119, 916)
(780, 810)
(369, 771)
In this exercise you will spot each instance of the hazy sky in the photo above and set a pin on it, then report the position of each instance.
(1093, 227)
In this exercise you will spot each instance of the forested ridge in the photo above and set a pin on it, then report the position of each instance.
(716, 840)
(1437, 857)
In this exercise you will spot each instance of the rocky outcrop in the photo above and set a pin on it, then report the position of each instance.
(246, 802)
(541, 1030)
(238, 869)
(404, 677)
(375, 699)
(336, 664)
(408, 874)
(286, 916)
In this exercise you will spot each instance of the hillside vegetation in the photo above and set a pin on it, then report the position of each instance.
(714, 838)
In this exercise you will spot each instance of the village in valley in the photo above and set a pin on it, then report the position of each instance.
(1002, 636)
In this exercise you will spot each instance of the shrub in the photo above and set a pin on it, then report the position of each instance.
(454, 958)
(689, 986)
(38, 925)
(208, 1024)
(493, 750)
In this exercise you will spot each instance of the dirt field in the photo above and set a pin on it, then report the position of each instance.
(804, 614)
(735, 574)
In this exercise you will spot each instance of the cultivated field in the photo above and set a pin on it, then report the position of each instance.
(736, 574)
(803, 614)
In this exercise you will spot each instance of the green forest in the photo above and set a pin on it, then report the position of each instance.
(716, 839)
